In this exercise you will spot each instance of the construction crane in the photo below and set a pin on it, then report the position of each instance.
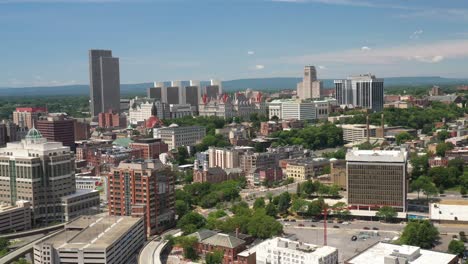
(325, 214)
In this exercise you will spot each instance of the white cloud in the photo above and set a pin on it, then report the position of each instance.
(434, 59)
(365, 48)
(259, 67)
(250, 52)
(321, 67)
(428, 53)
(416, 34)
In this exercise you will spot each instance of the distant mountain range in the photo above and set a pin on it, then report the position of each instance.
(266, 84)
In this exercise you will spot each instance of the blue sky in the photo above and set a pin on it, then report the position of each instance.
(45, 42)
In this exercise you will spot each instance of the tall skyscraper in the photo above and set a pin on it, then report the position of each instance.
(214, 89)
(364, 91)
(104, 82)
(310, 87)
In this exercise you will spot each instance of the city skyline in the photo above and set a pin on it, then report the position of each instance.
(155, 40)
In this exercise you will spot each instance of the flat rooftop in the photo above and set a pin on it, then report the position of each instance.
(376, 255)
(92, 232)
(376, 155)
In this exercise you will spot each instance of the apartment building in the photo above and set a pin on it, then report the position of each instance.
(304, 169)
(26, 117)
(143, 188)
(223, 157)
(151, 147)
(93, 240)
(377, 178)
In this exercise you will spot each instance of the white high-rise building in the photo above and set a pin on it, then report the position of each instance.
(286, 251)
(300, 110)
(310, 87)
(364, 91)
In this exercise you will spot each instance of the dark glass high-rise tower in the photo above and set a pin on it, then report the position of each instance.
(104, 82)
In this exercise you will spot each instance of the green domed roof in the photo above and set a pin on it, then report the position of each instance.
(33, 133)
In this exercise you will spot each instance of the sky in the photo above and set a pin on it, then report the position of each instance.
(46, 42)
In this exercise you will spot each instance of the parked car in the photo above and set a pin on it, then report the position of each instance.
(353, 238)
(375, 228)
(301, 225)
(366, 228)
(293, 220)
(335, 226)
(312, 226)
(346, 223)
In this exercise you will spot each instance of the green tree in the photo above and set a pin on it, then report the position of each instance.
(4, 243)
(429, 188)
(463, 190)
(214, 258)
(443, 147)
(456, 247)
(181, 208)
(187, 243)
(263, 226)
(403, 137)
(420, 233)
(191, 221)
(387, 213)
(182, 155)
(259, 203)
(284, 202)
(308, 187)
(271, 210)
(443, 135)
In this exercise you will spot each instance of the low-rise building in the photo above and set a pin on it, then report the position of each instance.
(93, 239)
(438, 162)
(211, 241)
(87, 182)
(458, 153)
(304, 169)
(338, 173)
(357, 132)
(175, 136)
(15, 218)
(151, 147)
(449, 211)
(385, 253)
(82, 202)
(258, 176)
(286, 251)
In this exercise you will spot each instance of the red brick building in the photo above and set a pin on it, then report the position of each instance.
(58, 128)
(267, 128)
(111, 119)
(211, 241)
(143, 188)
(151, 147)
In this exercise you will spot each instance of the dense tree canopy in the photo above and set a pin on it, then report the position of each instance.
(420, 233)
(312, 137)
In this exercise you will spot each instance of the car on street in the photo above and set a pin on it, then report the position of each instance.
(366, 228)
(335, 226)
(301, 225)
(375, 228)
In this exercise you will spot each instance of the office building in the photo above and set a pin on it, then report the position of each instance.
(357, 132)
(82, 129)
(25, 117)
(286, 251)
(151, 147)
(146, 189)
(39, 172)
(377, 178)
(175, 136)
(88, 182)
(58, 128)
(214, 89)
(93, 239)
(365, 91)
(143, 109)
(82, 202)
(104, 82)
(310, 87)
(15, 217)
(386, 253)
